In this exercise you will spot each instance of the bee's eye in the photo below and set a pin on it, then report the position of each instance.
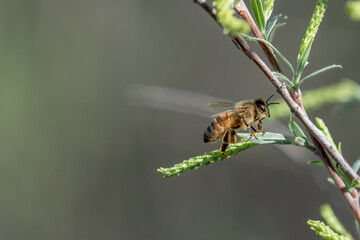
(261, 107)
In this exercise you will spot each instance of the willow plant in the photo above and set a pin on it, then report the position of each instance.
(316, 136)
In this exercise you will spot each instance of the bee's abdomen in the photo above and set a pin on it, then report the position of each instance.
(217, 128)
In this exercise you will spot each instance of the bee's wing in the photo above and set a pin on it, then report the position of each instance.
(239, 111)
(221, 106)
(171, 99)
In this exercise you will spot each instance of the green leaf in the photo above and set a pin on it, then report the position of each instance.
(268, 138)
(309, 37)
(324, 69)
(321, 125)
(272, 34)
(258, 11)
(347, 181)
(295, 129)
(225, 16)
(339, 148)
(274, 138)
(272, 26)
(354, 184)
(301, 64)
(301, 142)
(324, 231)
(330, 180)
(277, 51)
(333, 222)
(289, 84)
(268, 9)
(356, 165)
(316, 162)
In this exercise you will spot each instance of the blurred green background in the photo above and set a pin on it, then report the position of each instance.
(78, 160)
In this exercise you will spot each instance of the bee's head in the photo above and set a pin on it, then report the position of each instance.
(262, 108)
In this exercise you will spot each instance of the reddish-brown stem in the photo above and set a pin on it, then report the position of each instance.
(297, 96)
(243, 11)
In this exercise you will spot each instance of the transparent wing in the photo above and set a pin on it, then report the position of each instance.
(171, 99)
(221, 106)
(239, 111)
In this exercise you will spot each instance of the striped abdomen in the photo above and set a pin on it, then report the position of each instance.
(220, 125)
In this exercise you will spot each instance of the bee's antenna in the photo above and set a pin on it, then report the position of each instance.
(272, 103)
(268, 100)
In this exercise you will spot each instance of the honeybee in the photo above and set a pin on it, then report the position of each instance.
(240, 116)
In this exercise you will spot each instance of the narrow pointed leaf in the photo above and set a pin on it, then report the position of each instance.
(272, 34)
(321, 125)
(268, 9)
(271, 25)
(272, 138)
(324, 69)
(285, 80)
(302, 62)
(272, 46)
(295, 129)
(316, 162)
(330, 180)
(347, 181)
(258, 11)
(339, 148)
(354, 184)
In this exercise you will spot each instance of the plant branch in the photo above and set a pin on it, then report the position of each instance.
(295, 105)
(352, 199)
(243, 11)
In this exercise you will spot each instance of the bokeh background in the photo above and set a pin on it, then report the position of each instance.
(78, 160)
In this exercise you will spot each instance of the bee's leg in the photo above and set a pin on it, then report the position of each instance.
(251, 129)
(225, 142)
(233, 136)
(260, 127)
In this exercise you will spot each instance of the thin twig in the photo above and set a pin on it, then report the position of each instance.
(322, 144)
